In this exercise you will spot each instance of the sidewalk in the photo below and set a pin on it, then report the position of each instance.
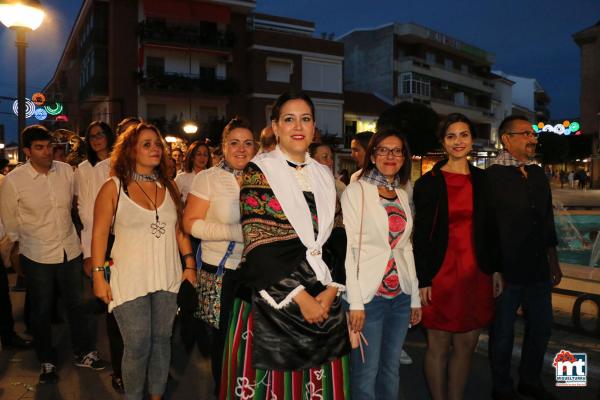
(192, 378)
(587, 198)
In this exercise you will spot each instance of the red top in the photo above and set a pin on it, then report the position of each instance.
(462, 297)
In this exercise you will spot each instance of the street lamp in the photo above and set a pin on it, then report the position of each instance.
(190, 128)
(21, 16)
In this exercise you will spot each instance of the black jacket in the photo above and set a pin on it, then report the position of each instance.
(430, 235)
(522, 223)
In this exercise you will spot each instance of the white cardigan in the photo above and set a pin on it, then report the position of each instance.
(375, 248)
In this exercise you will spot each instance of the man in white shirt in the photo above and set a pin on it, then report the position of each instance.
(35, 207)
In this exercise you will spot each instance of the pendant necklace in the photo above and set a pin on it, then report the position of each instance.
(157, 228)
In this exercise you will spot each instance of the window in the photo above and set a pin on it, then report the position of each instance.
(207, 73)
(321, 75)
(279, 70)
(155, 66)
(329, 118)
(414, 84)
(448, 63)
(430, 58)
(87, 68)
(464, 68)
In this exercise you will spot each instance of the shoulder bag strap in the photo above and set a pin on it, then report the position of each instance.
(362, 211)
(225, 257)
(112, 225)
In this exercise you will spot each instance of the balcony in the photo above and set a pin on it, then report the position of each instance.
(420, 66)
(188, 36)
(187, 83)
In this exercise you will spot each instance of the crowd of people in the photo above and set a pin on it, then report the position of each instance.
(306, 285)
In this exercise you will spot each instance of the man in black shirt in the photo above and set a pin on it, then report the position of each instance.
(525, 252)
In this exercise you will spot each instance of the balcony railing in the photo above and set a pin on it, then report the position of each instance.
(185, 35)
(97, 86)
(187, 83)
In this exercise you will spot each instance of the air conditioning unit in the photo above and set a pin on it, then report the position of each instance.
(445, 87)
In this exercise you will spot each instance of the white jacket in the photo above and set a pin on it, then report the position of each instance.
(375, 248)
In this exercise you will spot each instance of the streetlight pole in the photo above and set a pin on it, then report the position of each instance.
(21, 44)
(21, 16)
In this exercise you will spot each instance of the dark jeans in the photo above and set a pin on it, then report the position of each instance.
(69, 277)
(7, 323)
(536, 299)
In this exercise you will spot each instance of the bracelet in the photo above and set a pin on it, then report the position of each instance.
(98, 269)
(188, 255)
(194, 268)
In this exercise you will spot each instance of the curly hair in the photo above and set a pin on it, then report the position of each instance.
(188, 165)
(122, 162)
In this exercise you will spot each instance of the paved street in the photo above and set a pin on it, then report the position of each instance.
(192, 380)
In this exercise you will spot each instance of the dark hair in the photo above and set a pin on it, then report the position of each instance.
(188, 166)
(126, 121)
(363, 138)
(506, 124)
(110, 140)
(3, 163)
(452, 119)
(378, 137)
(32, 133)
(235, 123)
(312, 148)
(287, 96)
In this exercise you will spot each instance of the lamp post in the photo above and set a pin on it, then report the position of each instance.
(21, 16)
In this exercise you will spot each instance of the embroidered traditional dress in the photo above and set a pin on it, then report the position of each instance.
(271, 351)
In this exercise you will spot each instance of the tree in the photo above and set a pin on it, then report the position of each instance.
(417, 121)
(553, 148)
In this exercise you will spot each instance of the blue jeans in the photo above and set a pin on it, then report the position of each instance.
(146, 324)
(386, 323)
(40, 280)
(536, 299)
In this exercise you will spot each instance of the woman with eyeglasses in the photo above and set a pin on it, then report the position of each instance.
(450, 251)
(289, 337)
(212, 214)
(381, 284)
(197, 158)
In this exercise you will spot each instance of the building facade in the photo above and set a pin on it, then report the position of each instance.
(588, 41)
(408, 62)
(186, 60)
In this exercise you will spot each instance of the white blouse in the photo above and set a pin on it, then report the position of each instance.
(184, 183)
(222, 222)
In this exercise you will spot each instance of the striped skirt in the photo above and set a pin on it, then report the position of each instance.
(240, 381)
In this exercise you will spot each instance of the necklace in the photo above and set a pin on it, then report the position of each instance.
(135, 176)
(157, 228)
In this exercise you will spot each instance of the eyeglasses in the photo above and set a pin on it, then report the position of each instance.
(529, 134)
(97, 136)
(384, 151)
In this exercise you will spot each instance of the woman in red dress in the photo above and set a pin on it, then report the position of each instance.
(456, 284)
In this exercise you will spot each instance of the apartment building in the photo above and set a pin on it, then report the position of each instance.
(409, 62)
(176, 61)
